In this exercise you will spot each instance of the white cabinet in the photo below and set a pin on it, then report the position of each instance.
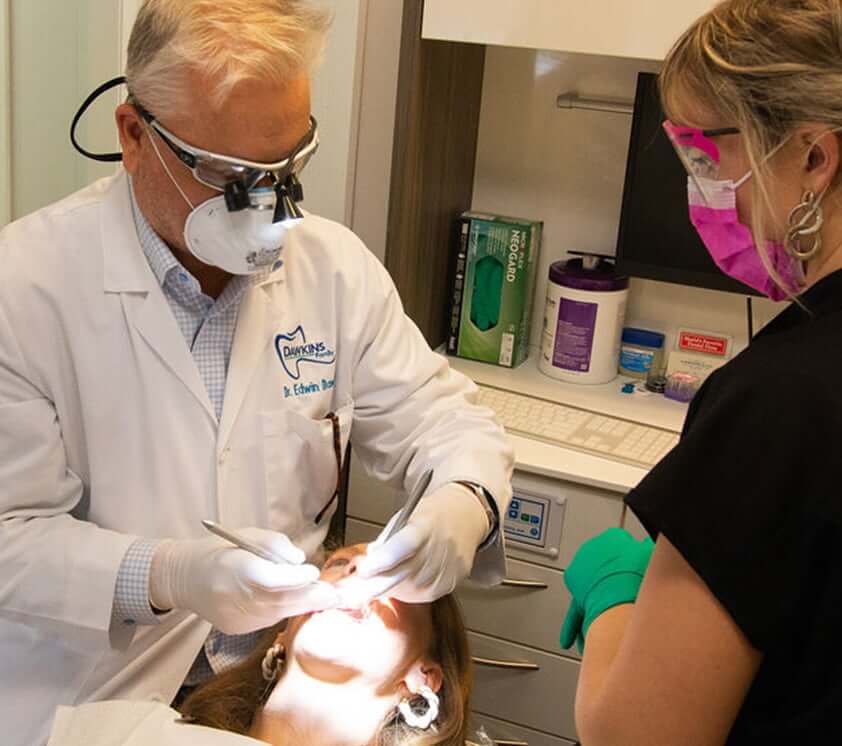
(644, 29)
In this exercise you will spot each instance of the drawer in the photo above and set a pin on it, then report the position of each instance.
(502, 733)
(524, 686)
(369, 498)
(528, 607)
(587, 511)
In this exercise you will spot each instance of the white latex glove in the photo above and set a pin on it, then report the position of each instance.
(233, 589)
(428, 557)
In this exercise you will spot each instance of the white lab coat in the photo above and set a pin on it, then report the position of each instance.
(107, 434)
(137, 724)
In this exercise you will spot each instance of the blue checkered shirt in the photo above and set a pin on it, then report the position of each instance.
(208, 329)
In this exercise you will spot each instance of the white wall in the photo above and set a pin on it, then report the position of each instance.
(567, 167)
(329, 177)
(376, 123)
(59, 52)
(5, 113)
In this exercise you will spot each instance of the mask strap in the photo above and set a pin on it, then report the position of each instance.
(743, 180)
(771, 154)
(149, 134)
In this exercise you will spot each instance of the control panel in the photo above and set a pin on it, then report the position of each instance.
(535, 521)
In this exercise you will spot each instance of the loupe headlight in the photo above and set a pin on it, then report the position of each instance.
(288, 195)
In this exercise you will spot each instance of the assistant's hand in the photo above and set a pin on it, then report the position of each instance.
(234, 590)
(605, 572)
(431, 554)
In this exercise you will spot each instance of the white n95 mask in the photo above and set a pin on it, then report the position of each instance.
(241, 242)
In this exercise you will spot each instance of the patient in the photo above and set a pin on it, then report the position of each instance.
(392, 674)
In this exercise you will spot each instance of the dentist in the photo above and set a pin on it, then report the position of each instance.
(179, 342)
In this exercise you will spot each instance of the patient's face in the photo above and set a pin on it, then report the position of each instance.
(379, 642)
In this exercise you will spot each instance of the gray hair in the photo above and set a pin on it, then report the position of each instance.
(228, 41)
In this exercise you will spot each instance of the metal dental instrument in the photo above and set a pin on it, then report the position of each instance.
(239, 541)
(409, 507)
(354, 596)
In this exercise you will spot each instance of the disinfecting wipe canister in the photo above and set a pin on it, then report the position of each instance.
(583, 321)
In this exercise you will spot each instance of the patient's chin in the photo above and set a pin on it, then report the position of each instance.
(352, 640)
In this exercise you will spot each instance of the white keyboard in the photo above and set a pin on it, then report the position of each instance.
(579, 429)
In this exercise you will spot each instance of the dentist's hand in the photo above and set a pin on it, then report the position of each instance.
(430, 555)
(231, 588)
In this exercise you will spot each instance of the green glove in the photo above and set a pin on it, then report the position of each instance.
(487, 294)
(605, 572)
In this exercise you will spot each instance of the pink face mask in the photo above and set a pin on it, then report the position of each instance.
(731, 244)
(713, 212)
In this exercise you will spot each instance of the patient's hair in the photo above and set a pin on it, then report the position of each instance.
(231, 700)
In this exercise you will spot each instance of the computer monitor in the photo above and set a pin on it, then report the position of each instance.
(657, 240)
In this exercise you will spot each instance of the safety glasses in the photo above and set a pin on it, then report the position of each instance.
(697, 149)
(220, 171)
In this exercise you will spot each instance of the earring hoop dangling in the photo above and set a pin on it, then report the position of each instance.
(271, 664)
(805, 219)
(270, 667)
(422, 720)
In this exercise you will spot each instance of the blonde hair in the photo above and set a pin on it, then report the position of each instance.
(764, 66)
(228, 41)
(231, 700)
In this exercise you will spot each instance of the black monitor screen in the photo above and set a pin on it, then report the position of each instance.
(657, 240)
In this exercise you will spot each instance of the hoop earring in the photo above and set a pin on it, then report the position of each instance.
(425, 719)
(805, 219)
(270, 667)
(271, 664)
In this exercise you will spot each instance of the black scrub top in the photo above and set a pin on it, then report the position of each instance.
(752, 498)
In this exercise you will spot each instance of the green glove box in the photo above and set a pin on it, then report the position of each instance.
(496, 259)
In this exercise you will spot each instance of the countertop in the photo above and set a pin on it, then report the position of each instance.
(557, 462)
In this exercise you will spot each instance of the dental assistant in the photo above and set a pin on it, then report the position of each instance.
(733, 636)
(179, 342)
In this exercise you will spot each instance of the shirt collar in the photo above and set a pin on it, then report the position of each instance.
(163, 261)
(821, 299)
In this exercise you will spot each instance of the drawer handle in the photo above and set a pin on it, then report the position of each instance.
(511, 665)
(533, 584)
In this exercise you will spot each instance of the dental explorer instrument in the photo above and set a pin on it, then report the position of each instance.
(239, 541)
(406, 511)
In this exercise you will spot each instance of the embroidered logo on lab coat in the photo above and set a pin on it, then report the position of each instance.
(294, 350)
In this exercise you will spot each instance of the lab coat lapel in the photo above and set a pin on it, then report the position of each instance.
(251, 339)
(126, 271)
(154, 321)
